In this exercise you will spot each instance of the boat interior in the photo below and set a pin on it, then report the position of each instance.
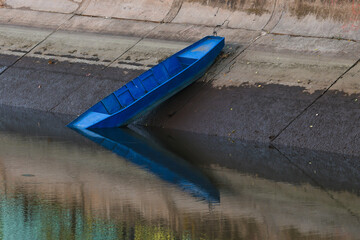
(154, 77)
(144, 83)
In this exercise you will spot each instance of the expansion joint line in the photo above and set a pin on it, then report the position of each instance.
(318, 184)
(315, 100)
(35, 46)
(272, 15)
(131, 47)
(104, 68)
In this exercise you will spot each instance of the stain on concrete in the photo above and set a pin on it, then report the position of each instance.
(17, 51)
(257, 7)
(62, 6)
(339, 10)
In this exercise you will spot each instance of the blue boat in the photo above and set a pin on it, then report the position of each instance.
(152, 87)
(156, 159)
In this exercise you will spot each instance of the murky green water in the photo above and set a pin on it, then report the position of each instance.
(56, 183)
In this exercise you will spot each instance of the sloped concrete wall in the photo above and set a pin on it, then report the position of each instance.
(284, 63)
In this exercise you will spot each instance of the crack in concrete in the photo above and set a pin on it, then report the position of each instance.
(174, 10)
(64, 98)
(272, 15)
(221, 26)
(117, 18)
(273, 138)
(318, 37)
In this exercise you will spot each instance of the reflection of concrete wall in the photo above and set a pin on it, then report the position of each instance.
(106, 186)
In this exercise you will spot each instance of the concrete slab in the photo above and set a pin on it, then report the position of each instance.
(332, 122)
(17, 41)
(32, 19)
(249, 113)
(32, 82)
(59, 6)
(92, 91)
(308, 18)
(148, 53)
(166, 31)
(83, 47)
(180, 32)
(247, 14)
(90, 48)
(125, 9)
(36, 89)
(349, 83)
(290, 61)
(197, 13)
(109, 26)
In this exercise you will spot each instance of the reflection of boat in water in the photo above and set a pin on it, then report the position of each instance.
(146, 154)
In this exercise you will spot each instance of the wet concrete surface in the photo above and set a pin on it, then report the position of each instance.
(232, 111)
(6, 61)
(65, 79)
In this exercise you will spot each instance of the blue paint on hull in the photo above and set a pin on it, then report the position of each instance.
(152, 87)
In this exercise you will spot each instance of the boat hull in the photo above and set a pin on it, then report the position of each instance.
(94, 118)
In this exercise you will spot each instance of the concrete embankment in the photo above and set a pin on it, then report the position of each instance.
(288, 75)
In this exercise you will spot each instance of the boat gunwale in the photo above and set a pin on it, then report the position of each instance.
(220, 42)
(160, 85)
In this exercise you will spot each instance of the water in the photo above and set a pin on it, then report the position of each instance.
(56, 183)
